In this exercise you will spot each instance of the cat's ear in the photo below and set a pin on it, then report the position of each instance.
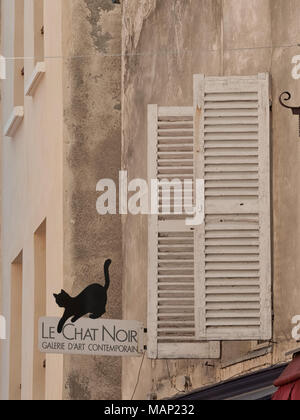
(63, 292)
(55, 295)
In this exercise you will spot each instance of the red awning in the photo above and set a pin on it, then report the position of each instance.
(289, 382)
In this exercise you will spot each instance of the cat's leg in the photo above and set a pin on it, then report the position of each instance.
(76, 318)
(62, 323)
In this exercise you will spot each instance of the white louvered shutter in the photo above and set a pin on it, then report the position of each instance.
(172, 314)
(233, 142)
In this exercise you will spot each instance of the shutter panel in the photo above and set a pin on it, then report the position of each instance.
(232, 136)
(172, 321)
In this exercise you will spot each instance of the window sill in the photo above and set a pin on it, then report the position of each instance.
(35, 79)
(14, 121)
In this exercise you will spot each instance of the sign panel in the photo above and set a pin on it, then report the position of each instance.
(100, 337)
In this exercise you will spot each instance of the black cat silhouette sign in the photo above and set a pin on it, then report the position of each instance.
(81, 331)
(92, 301)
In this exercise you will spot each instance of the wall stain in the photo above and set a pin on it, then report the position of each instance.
(78, 387)
(96, 7)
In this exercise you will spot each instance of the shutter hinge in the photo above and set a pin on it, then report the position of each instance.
(145, 332)
(207, 364)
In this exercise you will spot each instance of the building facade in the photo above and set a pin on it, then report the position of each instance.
(166, 44)
(55, 152)
(185, 89)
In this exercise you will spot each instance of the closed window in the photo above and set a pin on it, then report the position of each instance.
(39, 362)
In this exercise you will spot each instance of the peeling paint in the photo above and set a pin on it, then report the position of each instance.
(96, 9)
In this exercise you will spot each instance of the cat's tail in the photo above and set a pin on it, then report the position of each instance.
(106, 274)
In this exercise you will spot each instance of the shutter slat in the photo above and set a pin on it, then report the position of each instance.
(235, 283)
(238, 112)
(224, 250)
(211, 290)
(234, 128)
(230, 144)
(232, 121)
(175, 125)
(235, 96)
(234, 314)
(231, 105)
(231, 258)
(231, 136)
(164, 137)
(238, 306)
(231, 176)
(248, 167)
(239, 183)
(238, 298)
(232, 282)
(230, 160)
(234, 322)
(231, 152)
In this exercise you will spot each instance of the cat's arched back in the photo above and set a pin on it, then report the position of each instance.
(92, 301)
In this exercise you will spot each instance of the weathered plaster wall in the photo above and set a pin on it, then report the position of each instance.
(92, 151)
(165, 42)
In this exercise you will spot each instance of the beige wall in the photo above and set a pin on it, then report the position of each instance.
(164, 44)
(70, 138)
(32, 191)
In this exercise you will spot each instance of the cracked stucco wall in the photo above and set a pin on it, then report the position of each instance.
(133, 21)
(92, 151)
(166, 42)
